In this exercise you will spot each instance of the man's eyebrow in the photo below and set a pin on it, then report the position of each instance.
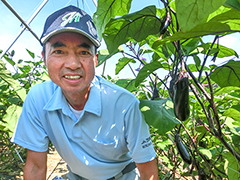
(85, 45)
(58, 44)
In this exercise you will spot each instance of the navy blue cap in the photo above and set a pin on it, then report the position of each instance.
(70, 19)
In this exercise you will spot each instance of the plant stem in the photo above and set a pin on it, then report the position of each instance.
(219, 135)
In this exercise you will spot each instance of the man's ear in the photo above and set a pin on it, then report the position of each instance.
(44, 60)
(96, 60)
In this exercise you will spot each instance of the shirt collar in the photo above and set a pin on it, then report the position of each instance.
(93, 104)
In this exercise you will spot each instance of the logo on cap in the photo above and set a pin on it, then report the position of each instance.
(70, 17)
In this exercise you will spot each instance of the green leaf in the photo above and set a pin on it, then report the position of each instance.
(227, 89)
(147, 70)
(104, 55)
(9, 60)
(159, 114)
(136, 26)
(122, 62)
(233, 4)
(193, 67)
(108, 9)
(128, 84)
(235, 128)
(190, 45)
(6, 76)
(205, 152)
(227, 75)
(197, 61)
(13, 99)
(234, 113)
(193, 12)
(11, 118)
(232, 167)
(31, 53)
(222, 50)
(222, 23)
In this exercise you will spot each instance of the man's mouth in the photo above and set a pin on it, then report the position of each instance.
(72, 77)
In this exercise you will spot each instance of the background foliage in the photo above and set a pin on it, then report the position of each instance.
(173, 38)
(14, 85)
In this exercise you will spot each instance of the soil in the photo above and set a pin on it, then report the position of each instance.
(56, 166)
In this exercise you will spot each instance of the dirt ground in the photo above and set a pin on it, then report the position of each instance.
(56, 166)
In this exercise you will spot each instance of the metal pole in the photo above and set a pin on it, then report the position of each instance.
(26, 25)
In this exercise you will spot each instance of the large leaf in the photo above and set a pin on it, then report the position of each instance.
(11, 118)
(136, 26)
(228, 89)
(159, 114)
(122, 62)
(104, 55)
(234, 113)
(222, 50)
(147, 70)
(226, 20)
(232, 167)
(108, 9)
(228, 74)
(193, 12)
(6, 76)
(233, 4)
(128, 84)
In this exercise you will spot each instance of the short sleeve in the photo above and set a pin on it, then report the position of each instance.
(29, 132)
(138, 136)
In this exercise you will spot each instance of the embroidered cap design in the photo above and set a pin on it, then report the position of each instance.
(70, 17)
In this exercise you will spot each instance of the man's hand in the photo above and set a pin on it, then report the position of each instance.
(148, 170)
(36, 166)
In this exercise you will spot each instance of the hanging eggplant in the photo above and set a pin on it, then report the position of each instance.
(181, 96)
(182, 150)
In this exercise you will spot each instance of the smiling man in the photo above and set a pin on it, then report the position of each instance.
(95, 126)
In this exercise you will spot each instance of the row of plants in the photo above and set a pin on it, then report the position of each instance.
(194, 109)
(15, 82)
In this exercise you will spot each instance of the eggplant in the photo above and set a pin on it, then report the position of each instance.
(182, 150)
(181, 98)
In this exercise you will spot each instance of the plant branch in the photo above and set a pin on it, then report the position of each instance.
(219, 134)
(196, 149)
(205, 58)
(197, 83)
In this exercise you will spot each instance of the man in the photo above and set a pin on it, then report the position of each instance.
(95, 126)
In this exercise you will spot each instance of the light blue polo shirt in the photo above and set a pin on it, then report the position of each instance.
(109, 133)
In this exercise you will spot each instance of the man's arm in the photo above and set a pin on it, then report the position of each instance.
(36, 166)
(148, 170)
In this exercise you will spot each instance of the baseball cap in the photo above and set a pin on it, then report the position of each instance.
(70, 19)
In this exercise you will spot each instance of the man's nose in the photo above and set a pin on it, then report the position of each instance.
(73, 61)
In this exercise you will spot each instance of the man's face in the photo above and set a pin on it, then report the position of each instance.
(71, 60)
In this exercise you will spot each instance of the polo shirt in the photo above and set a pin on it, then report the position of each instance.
(109, 133)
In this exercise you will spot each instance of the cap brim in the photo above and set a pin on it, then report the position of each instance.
(69, 29)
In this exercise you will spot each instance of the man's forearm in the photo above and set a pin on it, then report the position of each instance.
(148, 170)
(34, 173)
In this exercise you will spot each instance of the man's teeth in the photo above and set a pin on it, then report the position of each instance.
(72, 77)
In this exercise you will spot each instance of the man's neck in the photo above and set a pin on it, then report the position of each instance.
(77, 100)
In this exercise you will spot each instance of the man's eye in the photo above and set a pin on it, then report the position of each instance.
(58, 51)
(84, 53)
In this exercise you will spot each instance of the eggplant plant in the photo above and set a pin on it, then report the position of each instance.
(195, 105)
